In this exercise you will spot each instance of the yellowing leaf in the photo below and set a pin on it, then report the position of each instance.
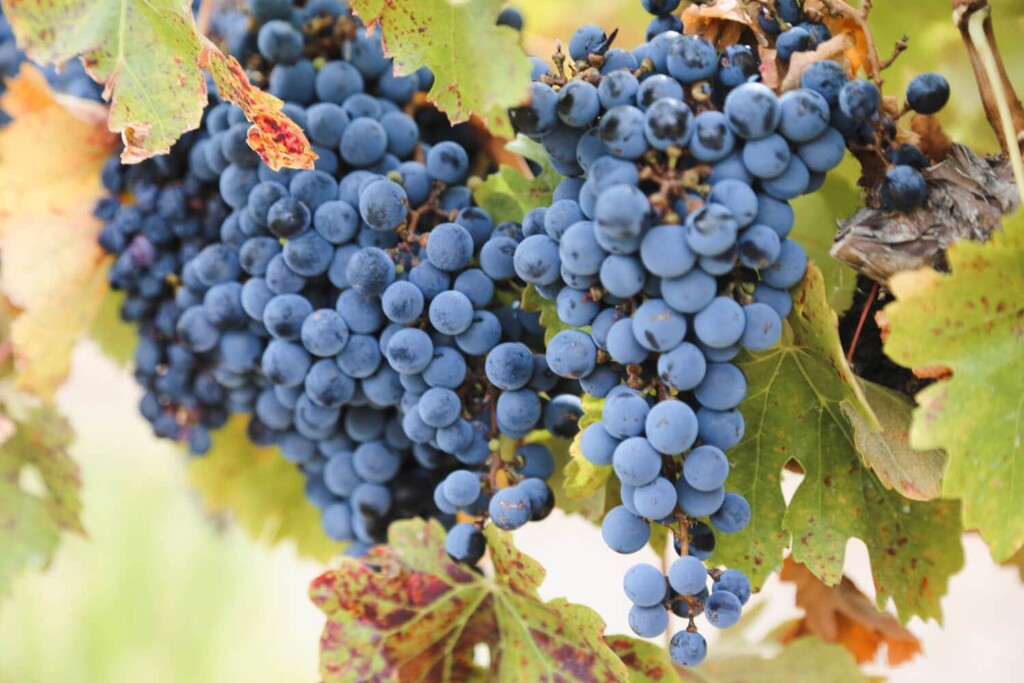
(509, 194)
(148, 56)
(53, 269)
(408, 613)
(971, 321)
(886, 448)
(796, 410)
(479, 66)
(842, 614)
(262, 491)
(33, 516)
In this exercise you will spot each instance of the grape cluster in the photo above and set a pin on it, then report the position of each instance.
(857, 111)
(173, 214)
(362, 314)
(666, 252)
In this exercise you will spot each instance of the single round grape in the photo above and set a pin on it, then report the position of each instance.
(788, 269)
(648, 622)
(624, 414)
(724, 387)
(384, 205)
(465, 543)
(904, 189)
(409, 351)
(644, 585)
(597, 446)
(671, 427)
(622, 131)
(759, 247)
(510, 508)
(736, 582)
(509, 366)
(687, 575)
(636, 462)
(711, 230)
(752, 111)
(767, 157)
(536, 260)
(698, 503)
(733, 515)
(656, 500)
(692, 58)
(928, 93)
(657, 327)
(763, 327)
(623, 531)
(706, 468)
(572, 354)
(688, 648)
(578, 104)
(723, 609)
(451, 313)
(462, 488)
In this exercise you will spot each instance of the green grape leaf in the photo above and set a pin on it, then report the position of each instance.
(805, 660)
(915, 474)
(971, 322)
(264, 492)
(549, 320)
(148, 55)
(479, 67)
(815, 227)
(39, 486)
(796, 410)
(407, 612)
(508, 194)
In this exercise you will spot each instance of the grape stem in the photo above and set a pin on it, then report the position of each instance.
(973, 18)
(860, 323)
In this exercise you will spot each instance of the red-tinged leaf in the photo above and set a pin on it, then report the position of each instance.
(278, 140)
(408, 613)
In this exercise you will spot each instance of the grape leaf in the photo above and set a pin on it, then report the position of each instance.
(508, 194)
(264, 492)
(842, 614)
(147, 55)
(479, 66)
(408, 613)
(33, 515)
(806, 660)
(915, 474)
(795, 410)
(971, 322)
(53, 269)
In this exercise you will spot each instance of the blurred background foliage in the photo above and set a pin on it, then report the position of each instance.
(158, 592)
